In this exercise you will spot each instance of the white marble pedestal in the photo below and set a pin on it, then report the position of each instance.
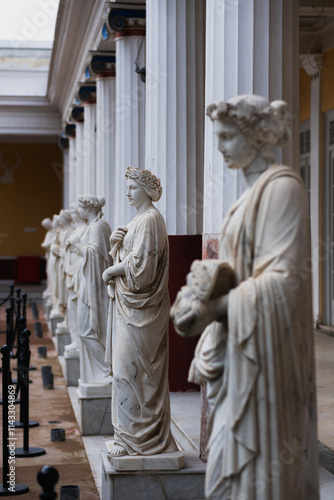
(63, 338)
(55, 318)
(94, 409)
(71, 367)
(162, 461)
(185, 484)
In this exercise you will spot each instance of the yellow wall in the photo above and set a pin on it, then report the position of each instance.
(327, 98)
(35, 193)
(304, 95)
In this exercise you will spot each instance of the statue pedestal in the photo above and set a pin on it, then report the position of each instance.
(187, 483)
(63, 338)
(163, 461)
(55, 318)
(72, 367)
(94, 409)
(47, 310)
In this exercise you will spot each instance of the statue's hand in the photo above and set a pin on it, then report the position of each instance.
(108, 275)
(118, 235)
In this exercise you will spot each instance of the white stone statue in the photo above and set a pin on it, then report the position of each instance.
(93, 300)
(257, 355)
(72, 269)
(65, 230)
(54, 263)
(46, 245)
(138, 281)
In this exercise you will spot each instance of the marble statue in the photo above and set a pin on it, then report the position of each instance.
(46, 245)
(54, 263)
(92, 296)
(72, 270)
(256, 351)
(59, 249)
(138, 282)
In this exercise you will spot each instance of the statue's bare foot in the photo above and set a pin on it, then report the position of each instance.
(117, 451)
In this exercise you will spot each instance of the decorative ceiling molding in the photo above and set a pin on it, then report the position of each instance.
(28, 116)
(78, 25)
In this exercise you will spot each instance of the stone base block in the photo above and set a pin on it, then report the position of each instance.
(71, 370)
(184, 484)
(63, 339)
(53, 321)
(94, 409)
(47, 310)
(162, 461)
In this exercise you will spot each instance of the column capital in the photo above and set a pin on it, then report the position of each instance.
(77, 114)
(124, 20)
(63, 141)
(70, 130)
(313, 65)
(86, 93)
(103, 64)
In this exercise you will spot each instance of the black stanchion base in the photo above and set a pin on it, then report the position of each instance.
(16, 402)
(31, 368)
(31, 452)
(32, 423)
(19, 490)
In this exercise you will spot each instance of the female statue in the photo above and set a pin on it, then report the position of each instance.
(256, 355)
(141, 407)
(92, 307)
(72, 269)
(47, 224)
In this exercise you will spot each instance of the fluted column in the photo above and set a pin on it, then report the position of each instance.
(87, 98)
(104, 67)
(89, 150)
(251, 48)
(129, 32)
(79, 165)
(313, 65)
(71, 170)
(175, 109)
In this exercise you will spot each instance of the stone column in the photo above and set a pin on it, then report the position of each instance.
(87, 96)
(66, 178)
(71, 170)
(103, 65)
(175, 73)
(251, 48)
(79, 164)
(129, 32)
(313, 66)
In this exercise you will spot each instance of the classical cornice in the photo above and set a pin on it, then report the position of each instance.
(77, 27)
(28, 116)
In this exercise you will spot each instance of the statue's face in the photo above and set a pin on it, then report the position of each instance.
(135, 193)
(234, 145)
(83, 211)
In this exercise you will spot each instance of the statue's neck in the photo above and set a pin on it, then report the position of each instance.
(253, 171)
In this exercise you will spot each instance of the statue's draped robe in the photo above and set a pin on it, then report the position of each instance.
(260, 368)
(141, 406)
(47, 294)
(93, 300)
(72, 269)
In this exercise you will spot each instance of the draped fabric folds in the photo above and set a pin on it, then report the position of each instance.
(141, 406)
(260, 368)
